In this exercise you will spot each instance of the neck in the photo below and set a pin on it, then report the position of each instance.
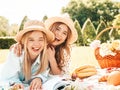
(33, 58)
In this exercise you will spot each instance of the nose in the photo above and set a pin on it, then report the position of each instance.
(36, 43)
(59, 34)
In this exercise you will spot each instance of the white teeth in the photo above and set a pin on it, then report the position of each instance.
(36, 48)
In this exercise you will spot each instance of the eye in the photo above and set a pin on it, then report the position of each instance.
(58, 28)
(41, 39)
(65, 33)
(30, 39)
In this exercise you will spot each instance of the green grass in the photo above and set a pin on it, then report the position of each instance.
(3, 55)
(79, 56)
(82, 56)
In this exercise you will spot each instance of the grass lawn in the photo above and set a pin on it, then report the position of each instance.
(3, 54)
(79, 56)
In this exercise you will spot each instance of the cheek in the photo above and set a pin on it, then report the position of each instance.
(42, 44)
(64, 37)
(29, 44)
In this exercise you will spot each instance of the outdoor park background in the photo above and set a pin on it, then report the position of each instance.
(90, 18)
(79, 56)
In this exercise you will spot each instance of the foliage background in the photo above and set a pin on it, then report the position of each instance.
(90, 18)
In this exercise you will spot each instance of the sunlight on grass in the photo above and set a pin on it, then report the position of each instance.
(79, 56)
(3, 55)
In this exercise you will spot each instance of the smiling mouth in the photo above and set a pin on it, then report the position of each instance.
(56, 39)
(35, 49)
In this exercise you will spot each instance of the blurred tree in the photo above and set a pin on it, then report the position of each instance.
(3, 33)
(44, 18)
(96, 10)
(4, 26)
(79, 41)
(115, 33)
(116, 21)
(88, 32)
(13, 29)
(101, 26)
(22, 23)
(105, 35)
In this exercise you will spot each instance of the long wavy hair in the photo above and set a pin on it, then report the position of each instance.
(27, 63)
(65, 46)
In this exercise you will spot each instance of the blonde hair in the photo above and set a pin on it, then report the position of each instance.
(26, 62)
(59, 55)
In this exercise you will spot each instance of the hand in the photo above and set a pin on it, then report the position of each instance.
(17, 48)
(51, 53)
(11, 47)
(36, 84)
(54, 69)
(18, 86)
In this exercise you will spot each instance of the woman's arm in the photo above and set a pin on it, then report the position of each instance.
(36, 84)
(54, 69)
(11, 68)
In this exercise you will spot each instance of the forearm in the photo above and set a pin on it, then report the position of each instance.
(55, 70)
(43, 76)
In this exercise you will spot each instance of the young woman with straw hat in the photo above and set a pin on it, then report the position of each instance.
(58, 50)
(31, 67)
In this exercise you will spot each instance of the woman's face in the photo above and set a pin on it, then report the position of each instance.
(61, 33)
(35, 43)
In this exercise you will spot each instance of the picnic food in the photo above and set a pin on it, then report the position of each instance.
(108, 53)
(112, 78)
(103, 78)
(84, 71)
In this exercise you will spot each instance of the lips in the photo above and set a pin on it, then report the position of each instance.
(35, 49)
(56, 39)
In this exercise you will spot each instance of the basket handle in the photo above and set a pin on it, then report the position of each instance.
(106, 29)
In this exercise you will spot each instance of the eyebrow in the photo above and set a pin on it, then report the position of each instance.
(39, 37)
(60, 28)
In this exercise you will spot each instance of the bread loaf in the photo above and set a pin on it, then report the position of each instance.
(85, 74)
(84, 71)
(83, 68)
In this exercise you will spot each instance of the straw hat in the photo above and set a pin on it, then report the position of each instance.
(34, 25)
(50, 21)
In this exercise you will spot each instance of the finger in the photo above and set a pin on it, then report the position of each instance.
(16, 86)
(15, 48)
(12, 46)
(32, 85)
(37, 86)
(20, 46)
(21, 87)
(52, 47)
(18, 50)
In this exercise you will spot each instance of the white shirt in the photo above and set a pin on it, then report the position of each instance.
(12, 69)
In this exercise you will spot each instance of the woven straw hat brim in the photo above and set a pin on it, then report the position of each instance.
(49, 34)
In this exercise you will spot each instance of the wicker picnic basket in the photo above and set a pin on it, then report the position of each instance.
(108, 60)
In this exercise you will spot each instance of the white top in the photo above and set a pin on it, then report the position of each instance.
(12, 69)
